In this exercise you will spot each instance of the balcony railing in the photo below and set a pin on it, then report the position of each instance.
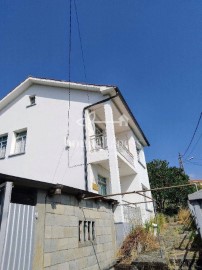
(123, 150)
(100, 142)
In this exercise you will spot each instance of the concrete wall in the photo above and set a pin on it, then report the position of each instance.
(57, 245)
(195, 207)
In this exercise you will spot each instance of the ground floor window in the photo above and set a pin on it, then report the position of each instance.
(102, 185)
(86, 231)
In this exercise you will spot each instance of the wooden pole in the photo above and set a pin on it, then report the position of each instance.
(138, 192)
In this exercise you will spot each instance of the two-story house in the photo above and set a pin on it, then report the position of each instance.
(74, 139)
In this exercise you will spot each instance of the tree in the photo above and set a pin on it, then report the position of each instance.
(168, 201)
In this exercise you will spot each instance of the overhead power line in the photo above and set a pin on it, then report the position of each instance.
(80, 39)
(194, 163)
(70, 37)
(70, 50)
(193, 135)
(194, 147)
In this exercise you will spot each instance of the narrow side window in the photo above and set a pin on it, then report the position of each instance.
(93, 230)
(3, 145)
(89, 229)
(32, 100)
(80, 230)
(85, 230)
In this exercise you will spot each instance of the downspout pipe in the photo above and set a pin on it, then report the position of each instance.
(84, 134)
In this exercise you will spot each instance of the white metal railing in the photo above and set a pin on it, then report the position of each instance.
(132, 215)
(98, 142)
(123, 150)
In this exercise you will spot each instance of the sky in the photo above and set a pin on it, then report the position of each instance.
(152, 50)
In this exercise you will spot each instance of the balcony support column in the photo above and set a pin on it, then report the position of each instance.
(115, 186)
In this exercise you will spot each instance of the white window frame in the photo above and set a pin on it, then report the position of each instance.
(102, 183)
(3, 145)
(138, 149)
(140, 154)
(20, 142)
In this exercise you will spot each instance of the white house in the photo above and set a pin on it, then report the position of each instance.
(76, 135)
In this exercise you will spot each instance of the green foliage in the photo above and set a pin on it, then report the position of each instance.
(168, 201)
(159, 219)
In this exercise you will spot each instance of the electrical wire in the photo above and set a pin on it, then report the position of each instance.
(193, 135)
(70, 47)
(195, 145)
(193, 163)
(69, 87)
(80, 39)
(70, 36)
(81, 47)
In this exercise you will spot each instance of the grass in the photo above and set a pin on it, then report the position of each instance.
(184, 216)
(138, 241)
(160, 220)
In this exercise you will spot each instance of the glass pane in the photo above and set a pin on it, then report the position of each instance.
(20, 142)
(102, 185)
(3, 144)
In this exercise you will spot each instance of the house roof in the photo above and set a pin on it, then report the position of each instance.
(24, 182)
(195, 196)
(196, 181)
(104, 89)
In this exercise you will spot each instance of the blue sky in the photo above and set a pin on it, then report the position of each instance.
(152, 50)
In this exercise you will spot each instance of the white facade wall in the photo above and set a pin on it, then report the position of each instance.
(46, 157)
(137, 181)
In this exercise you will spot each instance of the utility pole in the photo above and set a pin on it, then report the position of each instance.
(181, 163)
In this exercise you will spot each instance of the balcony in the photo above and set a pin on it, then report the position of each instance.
(99, 142)
(122, 149)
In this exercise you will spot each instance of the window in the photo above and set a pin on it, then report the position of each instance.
(102, 185)
(32, 100)
(86, 232)
(85, 225)
(138, 149)
(98, 130)
(93, 230)
(20, 143)
(80, 231)
(100, 138)
(140, 154)
(3, 144)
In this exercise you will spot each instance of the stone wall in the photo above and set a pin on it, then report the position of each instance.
(62, 242)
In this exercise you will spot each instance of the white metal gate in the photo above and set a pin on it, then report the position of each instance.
(16, 234)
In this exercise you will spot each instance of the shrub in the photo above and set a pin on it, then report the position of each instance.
(184, 216)
(159, 219)
(139, 240)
